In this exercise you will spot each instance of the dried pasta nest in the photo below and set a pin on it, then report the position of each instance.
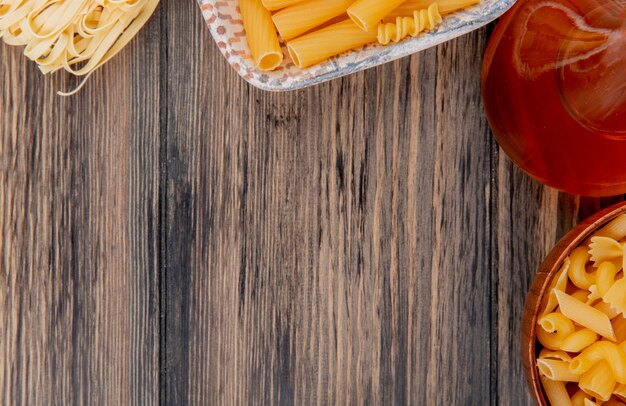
(78, 36)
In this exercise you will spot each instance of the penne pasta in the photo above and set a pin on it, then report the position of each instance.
(559, 283)
(261, 35)
(318, 46)
(585, 315)
(367, 14)
(556, 370)
(306, 15)
(616, 229)
(559, 355)
(556, 392)
(608, 309)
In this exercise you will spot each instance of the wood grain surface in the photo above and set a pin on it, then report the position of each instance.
(172, 235)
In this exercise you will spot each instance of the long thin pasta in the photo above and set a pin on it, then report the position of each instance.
(65, 34)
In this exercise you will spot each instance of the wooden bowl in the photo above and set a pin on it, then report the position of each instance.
(540, 284)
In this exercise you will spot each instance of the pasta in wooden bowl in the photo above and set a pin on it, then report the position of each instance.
(574, 324)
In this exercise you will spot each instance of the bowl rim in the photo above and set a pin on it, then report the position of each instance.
(539, 286)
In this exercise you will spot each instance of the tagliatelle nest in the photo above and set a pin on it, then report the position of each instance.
(76, 35)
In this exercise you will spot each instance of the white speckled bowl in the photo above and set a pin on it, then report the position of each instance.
(224, 21)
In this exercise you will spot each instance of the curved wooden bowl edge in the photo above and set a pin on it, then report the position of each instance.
(540, 283)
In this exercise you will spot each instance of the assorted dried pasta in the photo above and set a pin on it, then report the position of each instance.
(78, 36)
(316, 30)
(581, 328)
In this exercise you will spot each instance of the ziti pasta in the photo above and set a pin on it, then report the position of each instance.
(316, 30)
(582, 325)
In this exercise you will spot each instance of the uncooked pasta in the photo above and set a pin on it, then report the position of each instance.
(77, 36)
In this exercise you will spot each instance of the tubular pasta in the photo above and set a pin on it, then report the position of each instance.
(261, 35)
(278, 4)
(556, 392)
(585, 315)
(608, 309)
(366, 14)
(559, 282)
(422, 20)
(304, 16)
(616, 229)
(598, 381)
(318, 46)
(445, 7)
(559, 355)
(556, 370)
(577, 271)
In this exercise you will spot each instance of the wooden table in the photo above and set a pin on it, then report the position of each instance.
(174, 235)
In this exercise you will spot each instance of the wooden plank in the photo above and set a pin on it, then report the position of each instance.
(78, 231)
(329, 245)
